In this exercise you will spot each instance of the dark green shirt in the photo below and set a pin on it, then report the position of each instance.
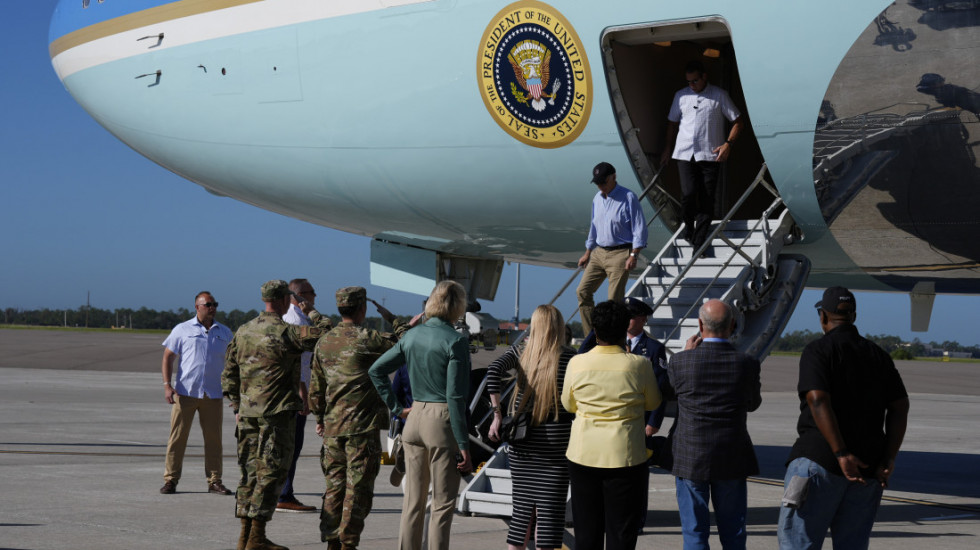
(438, 360)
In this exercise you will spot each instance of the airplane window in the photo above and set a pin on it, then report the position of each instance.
(85, 4)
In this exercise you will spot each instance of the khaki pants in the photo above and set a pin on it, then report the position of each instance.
(181, 419)
(430, 456)
(602, 263)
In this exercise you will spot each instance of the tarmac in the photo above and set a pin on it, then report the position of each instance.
(83, 429)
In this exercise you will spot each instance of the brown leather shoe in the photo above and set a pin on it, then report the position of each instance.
(294, 505)
(169, 487)
(218, 489)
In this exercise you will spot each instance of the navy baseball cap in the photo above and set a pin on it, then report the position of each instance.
(637, 307)
(837, 299)
(602, 171)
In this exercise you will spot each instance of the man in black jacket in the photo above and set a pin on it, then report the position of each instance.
(716, 386)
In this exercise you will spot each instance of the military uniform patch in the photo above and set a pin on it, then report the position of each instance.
(534, 75)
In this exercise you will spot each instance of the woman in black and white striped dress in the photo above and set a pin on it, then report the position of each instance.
(538, 467)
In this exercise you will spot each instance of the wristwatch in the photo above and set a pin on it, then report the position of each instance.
(841, 453)
(632, 254)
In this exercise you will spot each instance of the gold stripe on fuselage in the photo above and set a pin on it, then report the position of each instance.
(159, 14)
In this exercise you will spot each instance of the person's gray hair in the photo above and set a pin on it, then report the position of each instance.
(716, 325)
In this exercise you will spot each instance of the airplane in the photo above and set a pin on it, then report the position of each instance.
(460, 135)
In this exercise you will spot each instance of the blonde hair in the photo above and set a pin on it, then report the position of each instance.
(539, 362)
(447, 301)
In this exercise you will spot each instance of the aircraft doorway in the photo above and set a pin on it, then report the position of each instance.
(644, 67)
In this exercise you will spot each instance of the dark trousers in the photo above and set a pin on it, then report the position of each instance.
(287, 488)
(699, 181)
(606, 505)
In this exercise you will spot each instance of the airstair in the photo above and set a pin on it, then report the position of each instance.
(741, 262)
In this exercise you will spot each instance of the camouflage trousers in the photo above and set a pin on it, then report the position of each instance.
(265, 451)
(350, 465)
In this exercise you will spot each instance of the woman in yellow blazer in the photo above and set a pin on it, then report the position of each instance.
(609, 391)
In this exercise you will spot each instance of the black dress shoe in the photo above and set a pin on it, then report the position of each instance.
(218, 489)
(169, 488)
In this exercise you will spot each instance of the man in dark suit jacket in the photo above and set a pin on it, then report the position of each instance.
(716, 387)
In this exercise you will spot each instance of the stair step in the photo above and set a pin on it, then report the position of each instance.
(496, 498)
(706, 261)
(497, 472)
(700, 271)
(689, 282)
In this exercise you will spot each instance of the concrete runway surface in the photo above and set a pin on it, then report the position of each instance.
(83, 429)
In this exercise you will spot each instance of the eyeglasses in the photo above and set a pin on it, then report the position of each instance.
(695, 81)
(209, 304)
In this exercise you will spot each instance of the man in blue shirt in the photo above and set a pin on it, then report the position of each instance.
(616, 235)
(200, 345)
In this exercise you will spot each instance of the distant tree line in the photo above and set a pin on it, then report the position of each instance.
(141, 319)
(797, 340)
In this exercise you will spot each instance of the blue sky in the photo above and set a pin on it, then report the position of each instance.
(82, 212)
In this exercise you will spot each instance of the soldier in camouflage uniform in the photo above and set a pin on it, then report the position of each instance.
(349, 415)
(261, 379)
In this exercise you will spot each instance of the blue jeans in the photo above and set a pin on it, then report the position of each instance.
(847, 508)
(729, 498)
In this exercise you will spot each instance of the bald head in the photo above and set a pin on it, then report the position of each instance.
(716, 319)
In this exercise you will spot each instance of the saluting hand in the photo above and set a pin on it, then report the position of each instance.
(383, 311)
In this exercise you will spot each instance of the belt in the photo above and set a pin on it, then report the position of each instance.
(617, 247)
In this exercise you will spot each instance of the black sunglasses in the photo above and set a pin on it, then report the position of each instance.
(209, 304)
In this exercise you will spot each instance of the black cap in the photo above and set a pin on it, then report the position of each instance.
(637, 307)
(602, 171)
(837, 299)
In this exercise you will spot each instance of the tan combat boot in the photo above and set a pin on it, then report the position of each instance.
(257, 540)
(243, 537)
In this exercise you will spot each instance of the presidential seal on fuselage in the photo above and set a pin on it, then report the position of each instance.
(534, 75)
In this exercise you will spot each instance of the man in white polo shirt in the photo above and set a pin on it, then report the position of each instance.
(696, 139)
(302, 291)
(200, 344)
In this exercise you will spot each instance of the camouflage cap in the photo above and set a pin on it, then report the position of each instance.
(274, 290)
(351, 296)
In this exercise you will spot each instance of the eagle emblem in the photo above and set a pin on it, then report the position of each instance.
(531, 62)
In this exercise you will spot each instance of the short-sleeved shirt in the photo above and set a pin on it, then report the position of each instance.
(295, 316)
(861, 380)
(702, 121)
(201, 359)
(617, 219)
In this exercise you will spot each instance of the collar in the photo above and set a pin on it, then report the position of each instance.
(715, 340)
(435, 321)
(198, 323)
(607, 349)
(295, 309)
